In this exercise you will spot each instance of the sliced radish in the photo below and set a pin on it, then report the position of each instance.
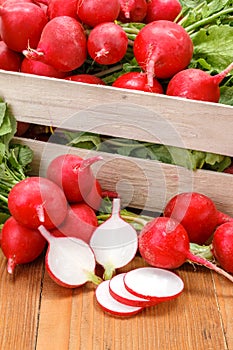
(111, 305)
(70, 262)
(153, 283)
(119, 292)
(115, 242)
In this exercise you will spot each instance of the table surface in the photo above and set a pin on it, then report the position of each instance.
(38, 314)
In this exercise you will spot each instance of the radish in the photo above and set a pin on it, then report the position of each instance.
(162, 48)
(132, 10)
(137, 81)
(21, 24)
(153, 284)
(36, 200)
(111, 305)
(99, 11)
(86, 78)
(9, 60)
(20, 244)
(62, 8)
(115, 242)
(22, 128)
(222, 246)
(80, 222)
(62, 44)
(70, 262)
(162, 10)
(197, 213)
(119, 292)
(74, 175)
(164, 243)
(107, 43)
(40, 68)
(203, 87)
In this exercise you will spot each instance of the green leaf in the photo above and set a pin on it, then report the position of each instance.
(226, 96)
(84, 140)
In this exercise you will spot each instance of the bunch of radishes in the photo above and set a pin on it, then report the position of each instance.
(56, 39)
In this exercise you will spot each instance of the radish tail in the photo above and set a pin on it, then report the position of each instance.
(32, 54)
(219, 77)
(11, 265)
(150, 67)
(200, 261)
(222, 218)
(89, 161)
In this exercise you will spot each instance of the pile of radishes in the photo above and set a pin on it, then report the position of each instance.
(50, 38)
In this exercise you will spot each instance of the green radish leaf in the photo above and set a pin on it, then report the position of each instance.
(226, 96)
(84, 140)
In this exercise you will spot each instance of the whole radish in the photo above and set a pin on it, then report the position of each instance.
(40, 68)
(197, 213)
(21, 24)
(162, 48)
(37, 200)
(62, 8)
(86, 78)
(62, 44)
(107, 43)
(162, 10)
(222, 246)
(164, 243)
(137, 81)
(9, 60)
(74, 175)
(22, 128)
(132, 10)
(196, 84)
(20, 244)
(99, 11)
(80, 222)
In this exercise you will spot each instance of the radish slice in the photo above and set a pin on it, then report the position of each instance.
(119, 292)
(153, 283)
(70, 262)
(115, 242)
(111, 305)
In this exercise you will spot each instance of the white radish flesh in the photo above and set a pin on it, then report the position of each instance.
(153, 283)
(119, 292)
(69, 261)
(111, 305)
(115, 242)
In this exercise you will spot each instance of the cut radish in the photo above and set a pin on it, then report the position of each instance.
(153, 283)
(70, 262)
(119, 292)
(115, 242)
(111, 305)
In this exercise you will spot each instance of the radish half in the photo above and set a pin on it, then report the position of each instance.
(111, 305)
(119, 292)
(153, 283)
(115, 242)
(70, 262)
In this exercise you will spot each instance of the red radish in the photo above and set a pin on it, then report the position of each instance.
(95, 196)
(73, 174)
(80, 222)
(9, 60)
(114, 242)
(40, 68)
(153, 284)
(70, 262)
(162, 10)
(22, 128)
(164, 243)
(195, 84)
(86, 78)
(197, 213)
(111, 305)
(20, 244)
(132, 10)
(62, 8)
(162, 48)
(21, 24)
(57, 47)
(119, 292)
(107, 43)
(222, 246)
(37, 200)
(229, 170)
(137, 81)
(99, 11)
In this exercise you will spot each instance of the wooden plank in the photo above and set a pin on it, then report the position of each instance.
(19, 304)
(120, 113)
(143, 184)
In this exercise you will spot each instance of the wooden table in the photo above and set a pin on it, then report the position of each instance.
(37, 314)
